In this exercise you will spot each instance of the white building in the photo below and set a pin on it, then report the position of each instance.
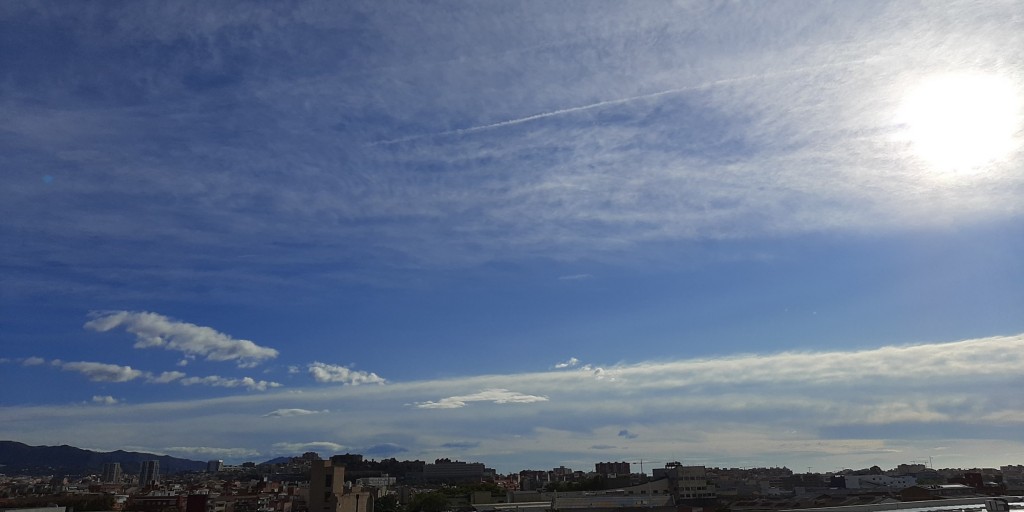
(879, 482)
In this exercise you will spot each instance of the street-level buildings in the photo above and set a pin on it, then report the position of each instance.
(328, 493)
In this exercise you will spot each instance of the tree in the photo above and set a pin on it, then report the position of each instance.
(387, 503)
(433, 501)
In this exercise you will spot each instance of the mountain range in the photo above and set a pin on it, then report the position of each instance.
(21, 459)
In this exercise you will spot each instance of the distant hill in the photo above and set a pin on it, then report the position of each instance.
(21, 459)
(279, 460)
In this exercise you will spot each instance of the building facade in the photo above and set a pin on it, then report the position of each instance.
(612, 468)
(328, 493)
(111, 473)
(688, 484)
(444, 470)
(879, 482)
(150, 473)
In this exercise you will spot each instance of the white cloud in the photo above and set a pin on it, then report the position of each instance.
(324, 372)
(154, 330)
(165, 377)
(33, 361)
(286, 413)
(498, 396)
(568, 364)
(597, 372)
(102, 372)
(224, 382)
(105, 399)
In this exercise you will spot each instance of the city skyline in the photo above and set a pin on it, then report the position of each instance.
(744, 233)
(110, 472)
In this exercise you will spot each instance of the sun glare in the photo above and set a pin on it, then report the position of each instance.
(961, 122)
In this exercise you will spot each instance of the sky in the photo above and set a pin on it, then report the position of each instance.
(529, 233)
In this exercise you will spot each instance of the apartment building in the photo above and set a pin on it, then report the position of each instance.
(328, 492)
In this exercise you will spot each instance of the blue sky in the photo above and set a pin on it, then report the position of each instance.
(530, 234)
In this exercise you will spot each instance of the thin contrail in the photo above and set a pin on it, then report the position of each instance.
(534, 117)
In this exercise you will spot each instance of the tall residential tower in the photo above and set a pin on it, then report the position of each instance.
(150, 474)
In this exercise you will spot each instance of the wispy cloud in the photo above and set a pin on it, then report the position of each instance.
(570, 363)
(287, 413)
(674, 135)
(104, 400)
(165, 377)
(154, 330)
(315, 446)
(745, 141)
(460, 444)
(575, 277)
(106, 372)
(333, 373)
(209, 451)
(225, 382)
(497, 396)
(103, 372)
(754, 405)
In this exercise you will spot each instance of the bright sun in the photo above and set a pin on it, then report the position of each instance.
(961, 122)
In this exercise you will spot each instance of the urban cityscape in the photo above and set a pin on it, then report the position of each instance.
(353, 483)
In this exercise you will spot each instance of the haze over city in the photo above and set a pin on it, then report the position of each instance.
(525, 233)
